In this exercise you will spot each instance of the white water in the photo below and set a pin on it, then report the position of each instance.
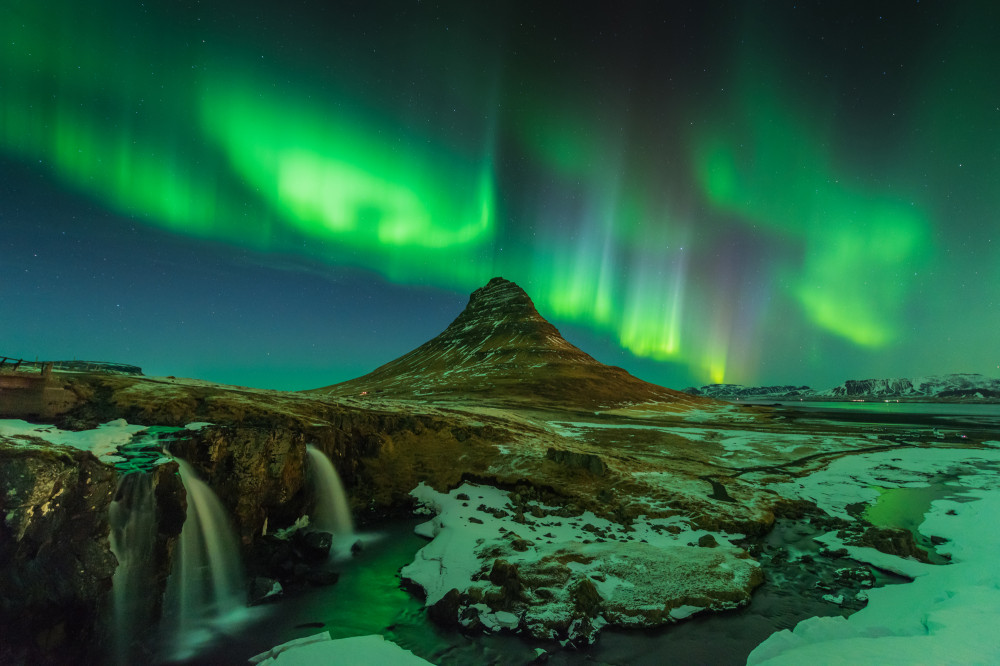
(206, 587)
(133, 534)
(333, 513)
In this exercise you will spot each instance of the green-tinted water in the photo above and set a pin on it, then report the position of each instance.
(905, 508)
(366, 600)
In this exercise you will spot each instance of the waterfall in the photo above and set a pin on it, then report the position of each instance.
(333, 513)
(132, 515)
(206, 586)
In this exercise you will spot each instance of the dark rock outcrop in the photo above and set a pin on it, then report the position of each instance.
(585, 597)
(892, 541)
(707, 541)
(54, 553)
(257, 473)
(506, 577)
(298, 560)
(585, 461)
(264, 591)
(445, 611)
(857, 388)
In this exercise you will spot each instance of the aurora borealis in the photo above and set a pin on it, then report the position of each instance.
(290, 194)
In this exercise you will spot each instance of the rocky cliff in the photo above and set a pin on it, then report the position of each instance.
(740, 392)
(54, 552)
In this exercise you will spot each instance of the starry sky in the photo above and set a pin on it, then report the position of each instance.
(289, 194)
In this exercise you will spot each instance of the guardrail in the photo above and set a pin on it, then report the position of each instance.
(9, 364)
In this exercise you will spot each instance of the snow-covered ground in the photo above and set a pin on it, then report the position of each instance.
(741, 446)
(948, 614)
(857, 478)
(321, 649)
(475, 527)
(103, 441)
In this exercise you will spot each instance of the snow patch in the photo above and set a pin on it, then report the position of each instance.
(948, 613)
(103, 441)
(321, 649)
(642, 573)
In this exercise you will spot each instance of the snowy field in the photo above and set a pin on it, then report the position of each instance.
(948, 614)
(104, 441)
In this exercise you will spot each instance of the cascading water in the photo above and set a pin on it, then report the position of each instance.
(133, 536)
(333, 513)
(206, 586)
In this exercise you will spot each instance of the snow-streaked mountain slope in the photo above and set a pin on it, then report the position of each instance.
(499, 347)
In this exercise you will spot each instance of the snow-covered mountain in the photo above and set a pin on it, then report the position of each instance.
(970, 386)
(951, 388)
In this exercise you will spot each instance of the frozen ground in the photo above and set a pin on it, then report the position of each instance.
(321, 649)
(103, 441)
(737, 446)
(948, 614)
(857, 478)
(523, 568)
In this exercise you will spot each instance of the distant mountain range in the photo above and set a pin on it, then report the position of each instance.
(500, 348)
(968, 387)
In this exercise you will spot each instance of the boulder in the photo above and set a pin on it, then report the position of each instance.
(586, 461)
(707, 541)
(313, 545)
(585, 597)
(506, 577)
(892, 541)
(444, 612)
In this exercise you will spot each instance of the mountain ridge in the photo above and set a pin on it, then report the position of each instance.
(954, 387)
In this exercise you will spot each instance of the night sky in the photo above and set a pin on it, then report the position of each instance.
(289, 194)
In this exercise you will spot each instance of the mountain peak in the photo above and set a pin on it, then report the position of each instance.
(497, 316)
(499, 284)
(501, 293)
(501, 347)
(501, 296)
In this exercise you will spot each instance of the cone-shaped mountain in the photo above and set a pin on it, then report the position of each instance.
(500, 347)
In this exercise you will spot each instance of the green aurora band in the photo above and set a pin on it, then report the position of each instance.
(858, 245)
(197, 137)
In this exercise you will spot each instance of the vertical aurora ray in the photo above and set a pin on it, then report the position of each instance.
(653, 309)
(614, 253)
